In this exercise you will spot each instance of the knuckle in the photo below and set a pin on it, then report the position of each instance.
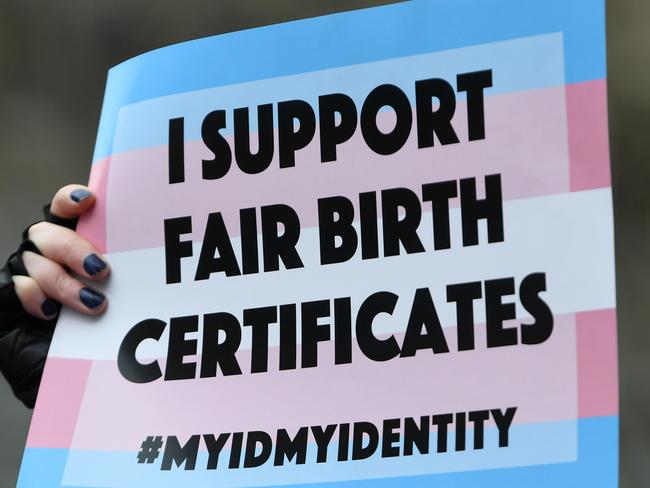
(28, 293)
(63, 284)
(21, 287)
(69, 247)
(30, 260)
(38, 229)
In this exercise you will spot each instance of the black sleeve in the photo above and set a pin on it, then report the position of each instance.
(24, 342)
(24, 339)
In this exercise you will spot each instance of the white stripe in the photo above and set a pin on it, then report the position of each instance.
(567, 236)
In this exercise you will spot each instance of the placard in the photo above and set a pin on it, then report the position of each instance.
(372, 249)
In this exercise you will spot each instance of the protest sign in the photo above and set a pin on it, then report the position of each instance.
(372, 248)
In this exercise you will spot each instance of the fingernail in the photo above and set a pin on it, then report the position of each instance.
(49, 307)
(91, 298)
(79, 194)
(93, 264)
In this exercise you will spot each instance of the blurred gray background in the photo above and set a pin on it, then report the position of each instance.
(53, 62)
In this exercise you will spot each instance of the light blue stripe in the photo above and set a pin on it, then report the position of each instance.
(517, 65)
(596, 467)
(42, 467)
(362, 36)
(529, 444)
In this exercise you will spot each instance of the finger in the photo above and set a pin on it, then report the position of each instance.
(66, 247)
(59, 285)
(33, 299)
(71, 201)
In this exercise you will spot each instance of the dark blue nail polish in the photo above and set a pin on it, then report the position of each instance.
(79, 194)
(49, 307)
(91, 298)
(93, 264)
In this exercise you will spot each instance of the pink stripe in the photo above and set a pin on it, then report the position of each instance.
(93, 224)
(597, 363)
(59, 401)
(364, 390)
(526, 142)
(588, 138)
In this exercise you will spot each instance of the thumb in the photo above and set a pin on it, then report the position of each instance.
(71, 201)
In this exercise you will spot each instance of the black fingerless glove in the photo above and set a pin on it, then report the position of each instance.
(24, 339)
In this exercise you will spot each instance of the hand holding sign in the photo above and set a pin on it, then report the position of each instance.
(62, 250)
(37, 279)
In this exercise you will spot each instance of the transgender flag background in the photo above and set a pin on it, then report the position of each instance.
(546, 134)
